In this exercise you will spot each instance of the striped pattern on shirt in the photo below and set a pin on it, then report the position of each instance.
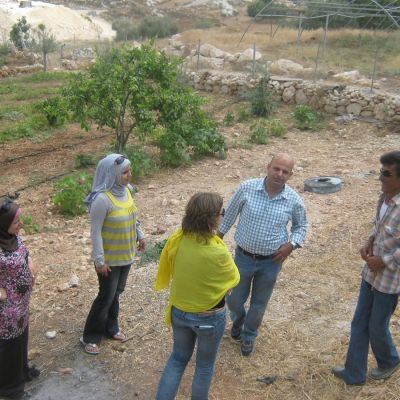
(119, 232)
(263, 222)
(386, 236)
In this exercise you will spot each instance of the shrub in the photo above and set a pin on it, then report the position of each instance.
(71, 193)
(259, 132)
(18, 131)
(85, 160)
(208, 141)
(157, 27)
(152, 252)
(306, 117)
(229, 119)
(255, 7)
(55, 110)
(261, 99)
(243, 115)
(277, 128)
(125, 28)
(142, 163)
(29, 225)
(173, 150)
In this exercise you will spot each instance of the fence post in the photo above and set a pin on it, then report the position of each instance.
(253, 70)
(198, 56)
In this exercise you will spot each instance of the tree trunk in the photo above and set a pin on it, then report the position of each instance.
(44, 61)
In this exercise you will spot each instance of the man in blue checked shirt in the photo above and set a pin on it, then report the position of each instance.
(265, 207)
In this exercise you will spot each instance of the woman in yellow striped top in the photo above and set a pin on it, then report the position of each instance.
(115, 235)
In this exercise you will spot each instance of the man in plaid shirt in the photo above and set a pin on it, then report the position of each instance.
(265, 207)
(380, 286)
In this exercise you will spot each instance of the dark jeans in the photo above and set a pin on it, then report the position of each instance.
(14, 366)
(370, 325)
(189, 328)
(103, 316)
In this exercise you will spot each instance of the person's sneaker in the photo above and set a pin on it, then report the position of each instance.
(378, 374)
(236, 333)
(33, 373)
(339, 373)
(247, 347)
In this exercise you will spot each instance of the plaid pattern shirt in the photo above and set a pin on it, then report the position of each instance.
(386, 235)
(262, 226)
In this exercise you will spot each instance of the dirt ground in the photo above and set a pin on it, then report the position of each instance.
(306, 326)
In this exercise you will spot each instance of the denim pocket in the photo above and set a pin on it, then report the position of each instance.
(205, 330)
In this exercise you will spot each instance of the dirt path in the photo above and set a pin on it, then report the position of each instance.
(305, 330)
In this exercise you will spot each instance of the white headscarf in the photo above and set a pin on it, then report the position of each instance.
(108, 177)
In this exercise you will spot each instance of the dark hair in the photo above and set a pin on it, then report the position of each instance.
(390, 158)
(201, 214)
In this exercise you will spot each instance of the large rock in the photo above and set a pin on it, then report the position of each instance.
(248, 55)
(208, 50)
(285, 66)
(348, 76)
(380, 111)
(354, 108)
(288, 94)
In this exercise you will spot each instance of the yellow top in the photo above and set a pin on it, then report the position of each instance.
(119, 232)
(201, 272)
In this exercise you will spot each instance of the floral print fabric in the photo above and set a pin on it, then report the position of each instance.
(16, 278)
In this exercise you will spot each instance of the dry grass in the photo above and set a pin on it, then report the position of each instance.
(346, 49)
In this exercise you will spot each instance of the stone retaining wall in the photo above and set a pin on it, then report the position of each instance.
(328, 98)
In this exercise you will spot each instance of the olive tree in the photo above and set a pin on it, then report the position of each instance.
(45, 42)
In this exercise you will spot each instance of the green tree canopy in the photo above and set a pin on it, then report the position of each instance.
(20, 34)
(45, 42)
(136, 90)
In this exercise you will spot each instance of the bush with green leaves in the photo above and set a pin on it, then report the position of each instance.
(277, 128)
(126, 29)
(71, 192)
(152, 252)
(157, 27)
(229, 119)
(243, 115)
(55, 109)
(30, 226)
(173, 150)
(136, 91)
(85, 160)
(259, 132)
(255, 7)
(20, 34)
(141, 162)
(306, 118)
(261, 99)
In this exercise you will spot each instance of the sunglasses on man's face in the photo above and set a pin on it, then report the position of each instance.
(385, 173)
(5, 207)
(120, 160)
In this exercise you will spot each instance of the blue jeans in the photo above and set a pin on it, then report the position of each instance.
(188, 328)
(103, 315)
(260, 276)
(371, 325)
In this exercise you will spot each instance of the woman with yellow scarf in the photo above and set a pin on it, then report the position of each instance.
(200, 270)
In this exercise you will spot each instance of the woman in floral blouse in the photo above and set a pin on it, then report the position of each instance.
(17, 276)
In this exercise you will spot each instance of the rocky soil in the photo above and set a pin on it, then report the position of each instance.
(305, 330)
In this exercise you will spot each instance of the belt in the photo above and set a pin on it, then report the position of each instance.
(255, 256)
(211, 312)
